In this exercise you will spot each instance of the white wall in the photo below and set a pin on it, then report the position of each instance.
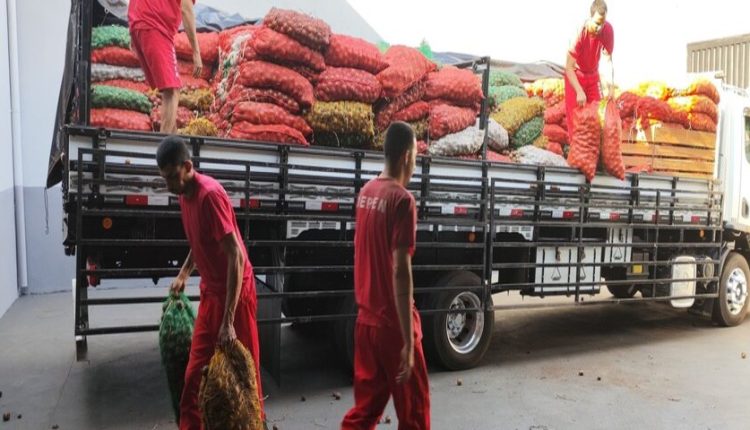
(8, 278)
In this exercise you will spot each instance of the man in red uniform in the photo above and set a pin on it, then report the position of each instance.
(227, 288)
(594, 39)
(153, 25)
(388, 357)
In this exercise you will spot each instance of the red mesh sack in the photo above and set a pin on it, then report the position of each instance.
(701, 122)
(385, 112)
(348, 51)
(422, 147)
(437, 102)
(227, 37)
(612, 139)
(701, 87)
(555, 133)
(120, 119)
(191, 83)
(406, 67)
(208, 44)
(115, 56)
(306, 72)
(141, 87)
(268, 114)
(239, 93)
(586, 140)
(497, 157)
(460, 87)
(279, 47)
(445, 119)
(554, 147)
(627, 102)
(555, 114)
(346, 84)
(650, 109)
(259, 74)
(311, 32)
(267, 133)
(185, 68)
(553, 100)
(413, 113)
(694, 104)
(184, 116)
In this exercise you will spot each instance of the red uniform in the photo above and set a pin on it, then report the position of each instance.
(208, 217)
(153, 25)
(587, 51)
(386, 220)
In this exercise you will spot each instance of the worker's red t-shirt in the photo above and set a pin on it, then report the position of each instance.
(208, 217)
(162, 15)
(587, 48)
(386, 219)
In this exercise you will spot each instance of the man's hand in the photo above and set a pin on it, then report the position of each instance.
(178, 285)
(197, 64)
(226, 335)
(407, 364)
(580, 98)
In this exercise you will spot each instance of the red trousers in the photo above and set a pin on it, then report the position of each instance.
(590, 84)
(205, 335)
(377, 355)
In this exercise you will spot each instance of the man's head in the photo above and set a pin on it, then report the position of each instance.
(598, 17)
(400, 151)
(174, 163)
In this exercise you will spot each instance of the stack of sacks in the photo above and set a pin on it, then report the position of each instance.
(523, 118)
(696, 107)
(554, 134)
(118, 91)
(195, 94)
(346, 92)
(552, 90)
(503, 87)
(272, 66)
(403, 87)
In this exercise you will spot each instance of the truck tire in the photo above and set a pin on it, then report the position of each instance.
(458, 341)
(623, 291)
(730, 308)
(343, 333)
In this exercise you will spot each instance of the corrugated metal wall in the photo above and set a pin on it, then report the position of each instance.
(730, 55)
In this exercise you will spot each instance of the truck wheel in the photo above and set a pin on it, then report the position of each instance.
(731, 306)
(343, 333)
(458, 341)
(623, 291)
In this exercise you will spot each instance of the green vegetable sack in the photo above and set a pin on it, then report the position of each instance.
(175, 337)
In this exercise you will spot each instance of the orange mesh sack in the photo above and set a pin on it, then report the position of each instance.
(587, 136)
(445, 119)
(311, 32)
(701, 122)
(611, 139)
(115, 56)
(347, 51)
(260, 74)
(279, 47)
(384, 112)
(239, 93)
(459, 87)
(347, 84)
(555, 133)
(695, 104)
(414, 112)
(701, 87)
(268, 114)
(120, 119)
(267, 133)
(406, 67)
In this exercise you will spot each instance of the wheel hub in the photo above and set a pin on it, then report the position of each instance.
(464, 328)
(736, 291)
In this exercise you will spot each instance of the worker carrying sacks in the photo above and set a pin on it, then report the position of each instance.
(228, 392)
(175, 337)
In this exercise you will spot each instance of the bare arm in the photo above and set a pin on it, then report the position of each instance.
(188, 267)
(403, 289)
(235, 271)
(609, 75)
(188, 21)
(570, 73)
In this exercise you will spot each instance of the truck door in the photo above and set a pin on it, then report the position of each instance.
(744, 179)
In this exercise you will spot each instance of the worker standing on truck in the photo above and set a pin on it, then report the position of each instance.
(388, 357)
(594, 39)
(227, 289)
(153, 25)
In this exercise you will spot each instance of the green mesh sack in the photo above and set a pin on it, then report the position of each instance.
(499, 78)
(513, 113)
(110, 35)
(342, 140)
(501, 94)
(175, 337)
(342, 118)
(104, 96)
(527, 133)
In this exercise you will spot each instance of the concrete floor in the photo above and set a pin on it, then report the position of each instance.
(659, 368)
